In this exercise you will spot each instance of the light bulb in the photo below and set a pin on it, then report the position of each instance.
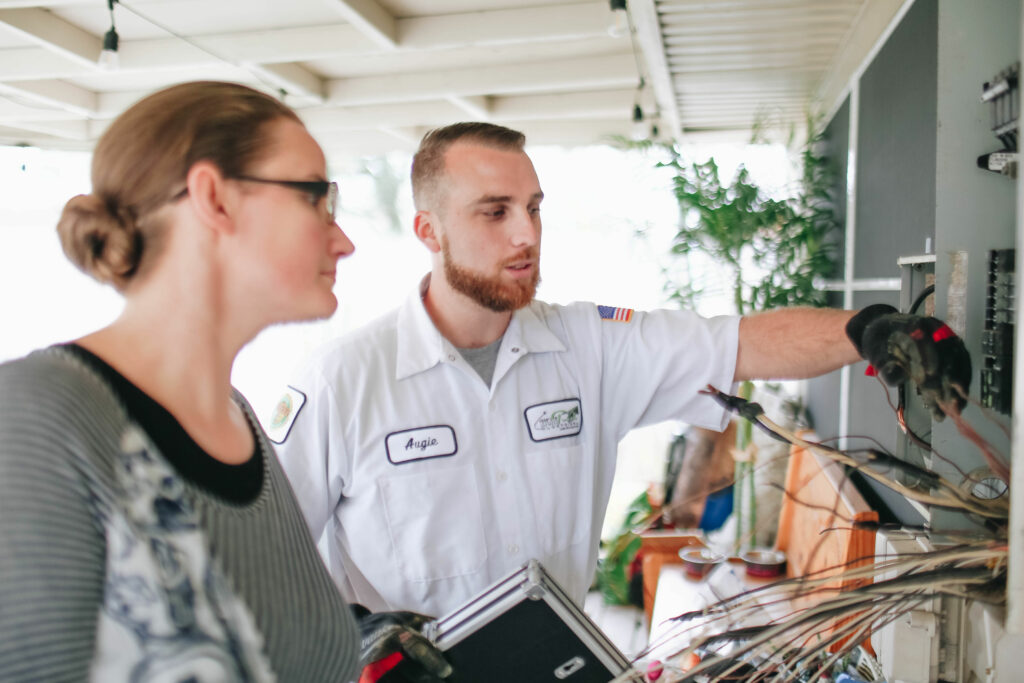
(639, 128)
(108, 56)
(618, 22)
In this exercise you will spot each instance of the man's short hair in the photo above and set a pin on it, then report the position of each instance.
(428, 162)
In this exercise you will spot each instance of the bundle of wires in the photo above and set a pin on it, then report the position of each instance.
(808, 642)
(731, 640)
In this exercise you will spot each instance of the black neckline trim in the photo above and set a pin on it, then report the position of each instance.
(239, 484)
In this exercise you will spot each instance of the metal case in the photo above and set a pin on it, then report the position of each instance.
(525, 628)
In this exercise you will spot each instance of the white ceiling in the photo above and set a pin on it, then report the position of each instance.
(374, 75)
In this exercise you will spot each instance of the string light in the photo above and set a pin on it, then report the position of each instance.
(618, 24)
(108, 58)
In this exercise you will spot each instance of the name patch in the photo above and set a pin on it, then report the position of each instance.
(410, 445)
(554, 420)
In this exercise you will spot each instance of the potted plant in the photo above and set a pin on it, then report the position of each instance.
(775, 251)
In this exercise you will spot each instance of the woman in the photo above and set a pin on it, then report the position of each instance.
(147, 531)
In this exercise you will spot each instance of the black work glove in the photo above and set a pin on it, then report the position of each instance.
(922, 349)
(393, 650)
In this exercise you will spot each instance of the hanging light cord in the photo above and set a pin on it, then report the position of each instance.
(639, 65)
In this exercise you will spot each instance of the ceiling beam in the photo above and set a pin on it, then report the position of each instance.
(291, 79)
(409, 136)
(540, 23)
(34, 63)
(64, 130)
(59, 95)
(571, 133)
(370, 19)
(43, 3)
(447, 32)
(604, 104)
(12, 111)
(331, 119)
(648, 27)
(581, 106)
(54, 34)
(566, 75)
(478, 108)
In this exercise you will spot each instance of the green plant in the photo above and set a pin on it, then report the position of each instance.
(775, 249)
(613, 569)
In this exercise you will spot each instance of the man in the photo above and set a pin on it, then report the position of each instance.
(474, 428)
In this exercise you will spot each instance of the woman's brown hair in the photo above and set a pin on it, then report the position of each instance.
(141, 162)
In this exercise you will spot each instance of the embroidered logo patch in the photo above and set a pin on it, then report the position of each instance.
(618, 315)
(554, 420)
(410, 445)
(285, 412)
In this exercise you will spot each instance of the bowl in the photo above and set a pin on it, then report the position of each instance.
(699, 561)
(764, 562)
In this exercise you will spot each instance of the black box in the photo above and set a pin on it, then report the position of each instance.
(525, 629)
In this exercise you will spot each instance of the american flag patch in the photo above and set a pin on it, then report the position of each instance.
(621, 315)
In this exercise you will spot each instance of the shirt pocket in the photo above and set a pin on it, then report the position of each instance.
(434, 519)
(562, 501)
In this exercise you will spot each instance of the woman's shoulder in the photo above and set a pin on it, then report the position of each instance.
(51, 385)
(50, 361)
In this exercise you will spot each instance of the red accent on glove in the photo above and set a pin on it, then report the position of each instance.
(870, 371)
(917, 334)
(942, 333)
(374, 671)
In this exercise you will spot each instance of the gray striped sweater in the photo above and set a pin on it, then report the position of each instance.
(113, 566)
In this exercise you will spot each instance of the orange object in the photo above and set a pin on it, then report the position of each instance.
(820, 496)
(688, 661)
(658, 548)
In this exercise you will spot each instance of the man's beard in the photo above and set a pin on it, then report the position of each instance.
(491, 292)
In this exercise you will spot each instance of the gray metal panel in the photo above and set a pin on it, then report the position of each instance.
(896, 149)
(837, 147)
(975, 208)
(823, 393)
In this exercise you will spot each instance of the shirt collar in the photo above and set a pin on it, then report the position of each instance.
(421, 346)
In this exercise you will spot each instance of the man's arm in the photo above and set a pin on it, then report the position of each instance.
(793, 343)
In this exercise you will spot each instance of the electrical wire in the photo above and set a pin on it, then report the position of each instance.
(944, 493)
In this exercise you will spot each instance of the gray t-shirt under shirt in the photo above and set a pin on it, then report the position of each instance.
(483, 359)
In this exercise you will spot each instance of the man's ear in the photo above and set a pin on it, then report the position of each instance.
(424, 224)
(212, 199)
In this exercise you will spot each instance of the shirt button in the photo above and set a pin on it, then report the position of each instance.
(515, 349)
(513, 549)
(451, 356)
(502, 476)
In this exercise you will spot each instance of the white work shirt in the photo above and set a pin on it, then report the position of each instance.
(424, 486)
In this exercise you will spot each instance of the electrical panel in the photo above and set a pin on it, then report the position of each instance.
(1003, 96)
(997, 337)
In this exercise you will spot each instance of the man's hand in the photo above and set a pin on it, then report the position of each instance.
(393, 650)
(925, 350)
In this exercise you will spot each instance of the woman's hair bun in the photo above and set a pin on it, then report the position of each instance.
(100, 238)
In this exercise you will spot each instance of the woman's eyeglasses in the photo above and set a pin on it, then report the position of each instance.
(316, 189)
